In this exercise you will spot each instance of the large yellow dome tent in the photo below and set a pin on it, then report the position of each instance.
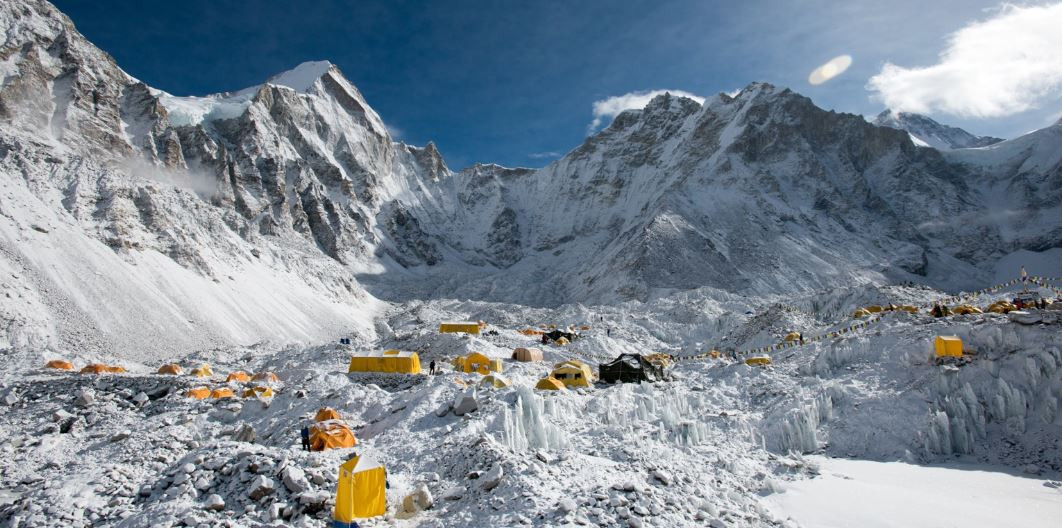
(477, 362)
(496, 381)
(258, 392)
(549, 383)
(361, 491)
(573, 373)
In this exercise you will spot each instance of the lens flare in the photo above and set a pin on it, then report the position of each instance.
(831, 69)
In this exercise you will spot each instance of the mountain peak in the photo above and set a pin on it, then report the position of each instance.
(301, 77)
(928, 132)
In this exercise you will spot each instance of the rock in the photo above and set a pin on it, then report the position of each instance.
(84, 397)
(10, 398)
(214, 502)
(61, 416)
(141, 398)
(543, 456)
(145, 490)
(313, 501)
(1023, 317)
(443, 408)
(567, 505)
(624, 486)
(716, 523)
(662, 476)
(245, 433)
(188, 468)
(492, 478)
(640, 510)
(1031, 469)
(294, 479)
(417, 501)
(466, 403)
(261, 486)
(623, 512)
(453, 493)
(276, 511)
(635, 522)
(121, 435)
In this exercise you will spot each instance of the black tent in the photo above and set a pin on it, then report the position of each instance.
(630, 368)
(555, 335)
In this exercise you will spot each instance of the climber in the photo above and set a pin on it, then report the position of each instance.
(431, 367)
(305, 438)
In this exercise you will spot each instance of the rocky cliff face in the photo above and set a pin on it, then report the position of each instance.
(297, 182)
(929, 133)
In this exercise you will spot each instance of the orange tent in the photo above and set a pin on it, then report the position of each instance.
(114, 370)
(267, 377)
(239, 376)
(199, 393)
(222, 392)
(172, 368)
(326, 413)
(95, 368)
(60, 364)
(332, 434)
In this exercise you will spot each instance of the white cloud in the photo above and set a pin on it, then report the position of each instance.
(613, 106)
(544, 155)
(395, 132)
(1006, 64)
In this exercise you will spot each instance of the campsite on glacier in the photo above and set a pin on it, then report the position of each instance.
(260, 308)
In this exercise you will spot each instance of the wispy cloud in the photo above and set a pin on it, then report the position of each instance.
(997, 67)
(545, 155)
(613, 106)
(395, 132)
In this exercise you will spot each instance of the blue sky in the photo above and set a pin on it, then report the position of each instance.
(515, 82)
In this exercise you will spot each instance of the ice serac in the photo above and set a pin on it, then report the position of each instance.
(930, 133)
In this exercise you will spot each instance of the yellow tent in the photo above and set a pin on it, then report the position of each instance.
(758, 361)
(392, 361)
(873, 309)
(172, 369)
(477, 362)
(715, 354)
(965, 309)
(326, 413)
(664, 360)
(573, 373)
(239, 376)
(258, 392)
(199, 393)
(1001, 307)
(561, 341)
(496, 381)
(584, 327)
(115, 369)
(222, 392)
(530, 332)
(361, 491)
(267, 377)
(908, 308)
(202, 371)
(331, 434)
(548, 383)
(860, 313)
(60, 364)
(792, 336)
(948, 346)
(527, 354)
(461, 327)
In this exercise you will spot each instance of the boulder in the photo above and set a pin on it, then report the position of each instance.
(260, 487)
(466, 403)
(417, 501)
(662, 476)
(566, 505)
(84, 397)
(294, 479)
(1023, 317)
(214, 502)
(245, 433)
(491, 478)
(453, 493)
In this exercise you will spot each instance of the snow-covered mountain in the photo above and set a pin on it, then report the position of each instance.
(929, 133)
(283, 210)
